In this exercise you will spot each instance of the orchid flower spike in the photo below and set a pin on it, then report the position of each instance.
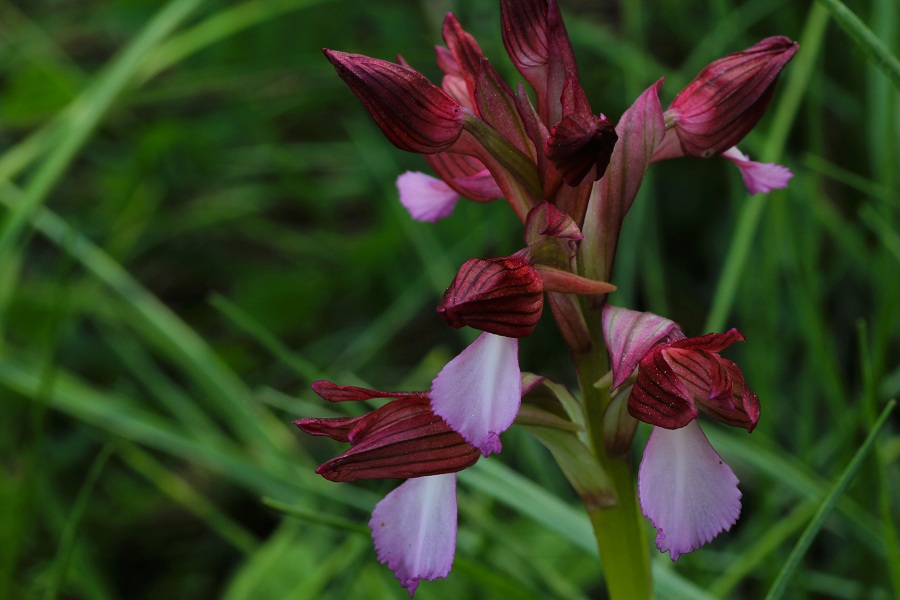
(482, 138)
(686, 490)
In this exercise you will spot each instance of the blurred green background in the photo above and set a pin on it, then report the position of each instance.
(198, 219)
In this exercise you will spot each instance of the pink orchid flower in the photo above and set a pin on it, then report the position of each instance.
(685, 488)
(478, 393)
(413, 527)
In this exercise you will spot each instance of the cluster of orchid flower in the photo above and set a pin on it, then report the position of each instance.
(570, 176)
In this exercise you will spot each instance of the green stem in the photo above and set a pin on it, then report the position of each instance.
(619, 530)
(621, 539)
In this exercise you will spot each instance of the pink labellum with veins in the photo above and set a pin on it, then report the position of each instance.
(426, 198)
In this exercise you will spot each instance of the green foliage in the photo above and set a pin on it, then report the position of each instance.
(197, 219)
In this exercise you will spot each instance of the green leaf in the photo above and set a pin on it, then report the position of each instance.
(579, 465)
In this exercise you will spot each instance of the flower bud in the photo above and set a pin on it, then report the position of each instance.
(717, 109)
(414, 114)
(499, 295)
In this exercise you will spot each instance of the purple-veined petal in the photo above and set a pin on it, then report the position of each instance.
(537, 43)
(426, 198)
(678, 377)
(350, 393)
(479, 186)
(496, 104)
(547, 220)
(464, 48)
(465, 174)
(337, 429)
(478, 393)
(630, 334)
(400, 440)
(686, 490)
(414, 529)
(760, 178)
(524, 29)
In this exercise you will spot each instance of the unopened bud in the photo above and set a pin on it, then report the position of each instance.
(414, 114)
(717, 109)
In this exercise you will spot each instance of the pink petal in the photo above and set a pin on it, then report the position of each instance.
(686, 490)
(425, 197)
(414, 529)
(760, 178)
(478, 393)
(630, 334)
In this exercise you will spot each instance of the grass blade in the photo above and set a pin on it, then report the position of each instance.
(85, 113)
(865, 39)
(793, 561)
(67, 542)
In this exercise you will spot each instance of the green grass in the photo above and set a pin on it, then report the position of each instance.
(197, 219)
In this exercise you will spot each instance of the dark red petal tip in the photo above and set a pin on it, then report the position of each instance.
(580, 147)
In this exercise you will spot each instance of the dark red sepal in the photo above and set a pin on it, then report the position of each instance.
(350, 393)
(498, 295)
(677, 378)
(400, 440)
(723, 103)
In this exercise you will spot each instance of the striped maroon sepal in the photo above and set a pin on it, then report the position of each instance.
(499, 295)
